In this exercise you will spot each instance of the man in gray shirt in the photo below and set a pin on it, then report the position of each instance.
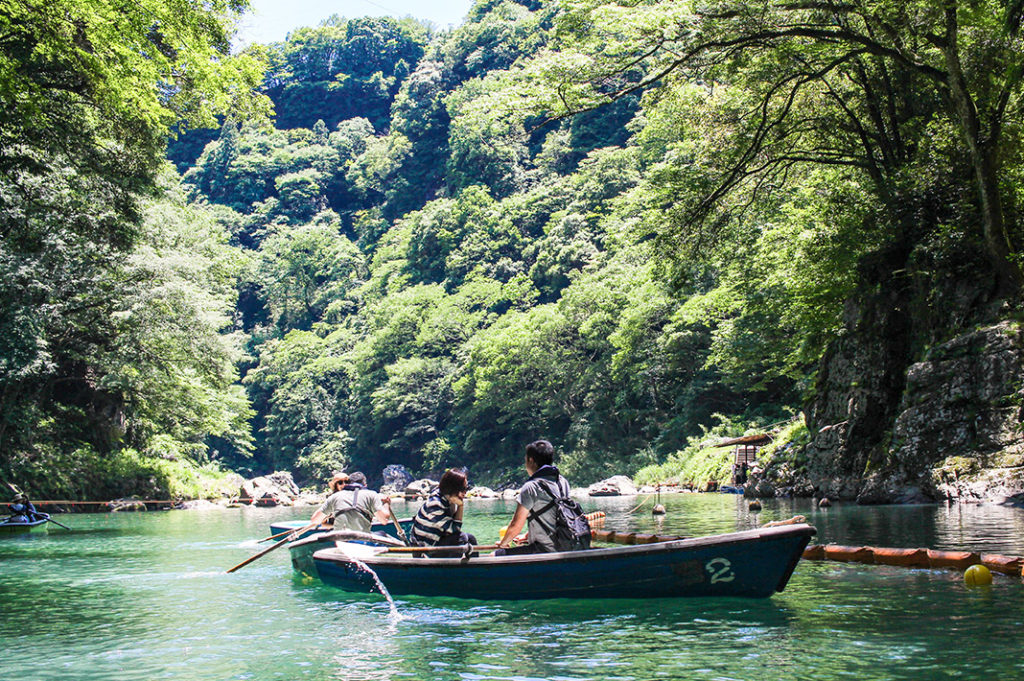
(535, 499)
(352, 506)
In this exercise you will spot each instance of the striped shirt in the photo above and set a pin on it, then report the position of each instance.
(434, 520)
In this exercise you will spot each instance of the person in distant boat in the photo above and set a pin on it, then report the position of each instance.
(535, 503)
(352, 506)
(22, 510)
(439, 520)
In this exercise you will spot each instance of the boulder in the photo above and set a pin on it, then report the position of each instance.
(199, 505)
(482, 492)
(272, 498)
(419, 489)
(285, 483)
(309, 499)
(276, 489)
(246, 491)
(396, 477)
(601, 489)
(613, 486)
(118, 505)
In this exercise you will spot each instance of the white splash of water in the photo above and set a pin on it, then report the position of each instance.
(349, 550)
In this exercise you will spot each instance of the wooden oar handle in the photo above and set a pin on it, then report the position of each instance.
(278, 535)
(433, 549)
(273, 546)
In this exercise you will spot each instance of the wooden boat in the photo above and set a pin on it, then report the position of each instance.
(753, 563)
(19, 525)
(376, 528)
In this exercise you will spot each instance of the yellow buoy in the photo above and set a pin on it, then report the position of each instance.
(977, 575)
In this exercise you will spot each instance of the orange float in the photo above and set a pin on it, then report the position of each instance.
(901, 557)
(960, 560)
(849, 554)
(814, 552)
(922, 558)
(1008, 565)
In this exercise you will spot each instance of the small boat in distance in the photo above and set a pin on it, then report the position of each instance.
(753, 563)
(21, 525)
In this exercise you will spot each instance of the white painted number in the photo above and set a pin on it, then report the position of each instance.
(720, 569)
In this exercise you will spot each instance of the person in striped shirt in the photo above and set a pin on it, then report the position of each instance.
(439, 520)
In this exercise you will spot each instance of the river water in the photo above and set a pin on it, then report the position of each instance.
(145, 596)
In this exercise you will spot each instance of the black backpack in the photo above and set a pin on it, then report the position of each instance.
(572, 529)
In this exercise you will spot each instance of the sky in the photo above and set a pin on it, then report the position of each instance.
(271, 20)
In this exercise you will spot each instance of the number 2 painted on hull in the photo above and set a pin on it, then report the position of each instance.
(720, 569)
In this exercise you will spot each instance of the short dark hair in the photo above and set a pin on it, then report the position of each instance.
(452, 482)
(357, 478)
(541, 451)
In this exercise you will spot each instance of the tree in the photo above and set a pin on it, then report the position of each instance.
(88, 93)
(851, 84)
(77, 75)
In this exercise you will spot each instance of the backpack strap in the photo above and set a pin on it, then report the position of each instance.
(534, 516)
(352, 506)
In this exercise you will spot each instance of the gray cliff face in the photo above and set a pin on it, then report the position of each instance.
(960, 417)
(955, 432)
(921, 397)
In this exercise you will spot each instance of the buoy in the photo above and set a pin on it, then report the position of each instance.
(824, 503)
(754, 505)
(658, 510)
(977, 575)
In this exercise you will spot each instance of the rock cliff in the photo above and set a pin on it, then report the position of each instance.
(919, 399)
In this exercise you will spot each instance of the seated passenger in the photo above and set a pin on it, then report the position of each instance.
(537, 503)
(439, 520)
(22, 510)
(352, 506)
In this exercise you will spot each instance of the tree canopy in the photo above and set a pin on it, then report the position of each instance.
(617, 225)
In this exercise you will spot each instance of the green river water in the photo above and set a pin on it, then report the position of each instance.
(145, 596)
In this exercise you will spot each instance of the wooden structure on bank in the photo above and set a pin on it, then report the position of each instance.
(745, 453)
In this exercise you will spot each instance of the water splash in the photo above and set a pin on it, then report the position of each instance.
(394, 615)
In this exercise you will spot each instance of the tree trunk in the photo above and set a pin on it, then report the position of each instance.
(983, 147)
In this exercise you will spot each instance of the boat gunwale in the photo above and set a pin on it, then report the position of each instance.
(338, 555)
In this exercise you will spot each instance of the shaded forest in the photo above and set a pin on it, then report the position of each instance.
(624, 227)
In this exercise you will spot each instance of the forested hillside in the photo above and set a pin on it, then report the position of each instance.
(618, 226)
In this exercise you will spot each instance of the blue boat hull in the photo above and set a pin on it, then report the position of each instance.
(9, 526)
(754, 564)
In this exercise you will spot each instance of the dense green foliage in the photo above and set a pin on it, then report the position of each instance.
(625, 227)
(113, 303)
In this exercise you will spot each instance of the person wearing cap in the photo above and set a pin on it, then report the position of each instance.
(439, 520)
(22, 509)
(351, 505)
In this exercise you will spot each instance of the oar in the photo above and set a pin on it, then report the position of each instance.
(433, 549)
(398, 527)
(49, 519)
(272, 547)
(275, 536)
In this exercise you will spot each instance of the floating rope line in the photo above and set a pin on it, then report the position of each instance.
(113, 502)
(919, 558)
